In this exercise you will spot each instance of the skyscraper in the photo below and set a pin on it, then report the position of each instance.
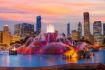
(86, 26)
(97, 32)
(6, 35)
(38, 24)
(74, 35)
(68, 29)
(24, 29)
(80, 30)
(1, 37)
(104, 29)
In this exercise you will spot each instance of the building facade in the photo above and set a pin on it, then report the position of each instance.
(38, 24)
(80, 30)
(97, 32)
(1, 37)
(6, 35)
(86, 26)
(24, 29)
(104, 29)
(15, 38)
(74, 35)
(68, 29)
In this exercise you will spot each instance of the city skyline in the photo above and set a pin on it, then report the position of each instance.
(55, 12)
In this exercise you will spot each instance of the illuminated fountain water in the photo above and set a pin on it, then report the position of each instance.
(50, 35)
(53, 47)
(50, 28)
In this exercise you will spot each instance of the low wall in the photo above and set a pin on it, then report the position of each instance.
(59, 67)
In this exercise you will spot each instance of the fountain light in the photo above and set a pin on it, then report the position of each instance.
(13, 51)
(71, 53)
(50, 28)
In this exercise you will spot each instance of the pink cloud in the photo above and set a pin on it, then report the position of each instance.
(52, 10)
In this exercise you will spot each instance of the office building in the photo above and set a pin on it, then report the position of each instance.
(1, 37)
(74, 35)
(97, 32)
(38, 24)
(68, 29)
(86, 26)
(79, 30)
(6, 35)
(104, 29)
(15, 38)
(24, 29)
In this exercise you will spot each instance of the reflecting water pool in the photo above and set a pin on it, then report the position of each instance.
(45, 60)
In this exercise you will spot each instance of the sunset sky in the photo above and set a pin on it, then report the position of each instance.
(57, 12)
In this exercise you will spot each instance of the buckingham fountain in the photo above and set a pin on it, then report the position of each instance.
(45, 43)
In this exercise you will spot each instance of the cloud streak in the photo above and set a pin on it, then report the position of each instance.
(51, 10)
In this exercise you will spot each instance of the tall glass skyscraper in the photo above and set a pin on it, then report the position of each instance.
(80, 30)
(86, 26)
(38, 24)
(68, 29)
(97, 32)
